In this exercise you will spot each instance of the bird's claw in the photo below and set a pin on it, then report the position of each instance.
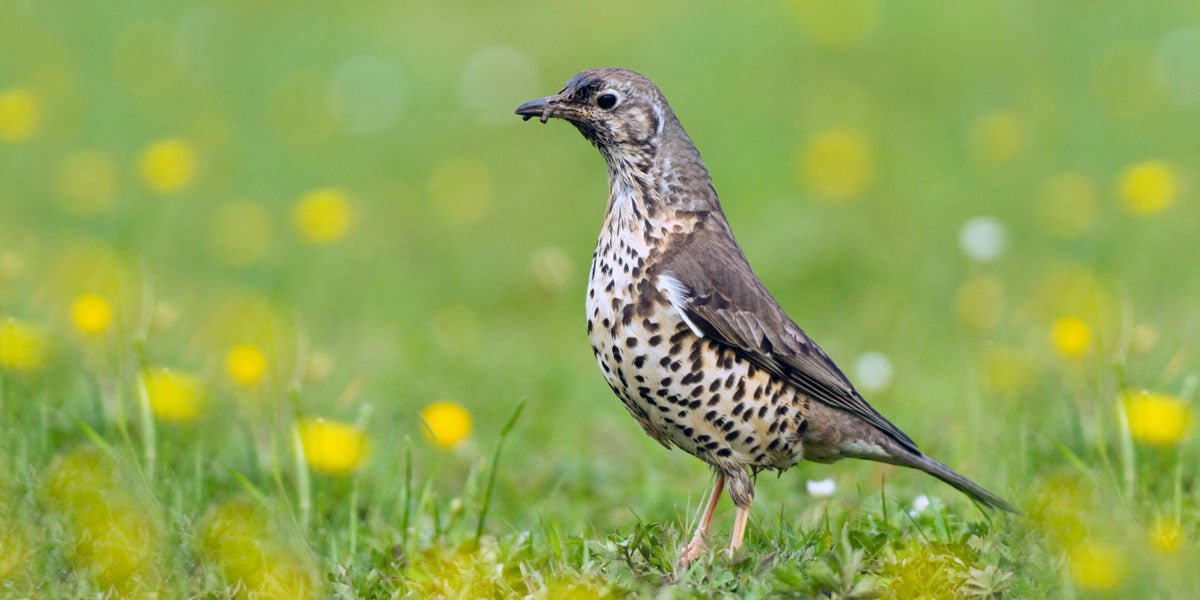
(691, 552)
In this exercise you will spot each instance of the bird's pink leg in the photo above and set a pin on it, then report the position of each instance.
(692, 551)
(739, 529)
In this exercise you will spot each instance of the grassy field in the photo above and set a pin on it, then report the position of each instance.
(291, 305)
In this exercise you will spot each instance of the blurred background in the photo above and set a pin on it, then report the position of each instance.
(260, 257)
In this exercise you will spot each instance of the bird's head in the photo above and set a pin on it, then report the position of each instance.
(617, 110)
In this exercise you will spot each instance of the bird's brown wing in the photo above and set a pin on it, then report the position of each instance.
(706, 277)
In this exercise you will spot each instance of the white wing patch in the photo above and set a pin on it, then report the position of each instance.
(677, 295)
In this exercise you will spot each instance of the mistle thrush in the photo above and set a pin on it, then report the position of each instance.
(687, 336)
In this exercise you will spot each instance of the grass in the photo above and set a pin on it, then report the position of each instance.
(344, 192)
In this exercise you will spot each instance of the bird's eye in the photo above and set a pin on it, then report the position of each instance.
(606, 101)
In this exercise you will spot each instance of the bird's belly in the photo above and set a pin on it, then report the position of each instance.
(691, 392)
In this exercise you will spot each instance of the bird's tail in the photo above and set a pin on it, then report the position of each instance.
(960, 483)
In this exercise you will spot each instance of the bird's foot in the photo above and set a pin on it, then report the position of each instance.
(691, 552)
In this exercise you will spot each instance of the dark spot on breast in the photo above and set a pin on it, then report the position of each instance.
(654, 340)
(737, 410)
(724, 452)
(696, 391)
(715, 400)
(710, 415)
(740, 391)
(630, 342)
(715, 385)
(732, 436)
(639, 360)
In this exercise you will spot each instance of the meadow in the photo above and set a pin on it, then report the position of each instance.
(291, 304)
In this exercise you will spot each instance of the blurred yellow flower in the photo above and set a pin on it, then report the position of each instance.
(1071, 336)
(1066, 205)
(1148, 187)
(174, 397)
(323, 215)
(332, 447)
(997, 137)
(1097, 567)
(1165, 536)
(461, 189)
(116, 535)
(168, 166)
(449, 424)
(1157, 419)
(91, 314)
(118, 541)
(837, 165)
(979, 302)
(841, 24)
(86, 183)
(246, 364)
(237, 537)
(23, 346)
(20, 114)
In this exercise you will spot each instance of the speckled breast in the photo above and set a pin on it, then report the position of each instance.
(684, 390)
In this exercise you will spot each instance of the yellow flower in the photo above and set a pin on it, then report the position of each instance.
(1157, 419)
(323, 216)
(174, 397)
(19, 115)
(1148, 187)
(168, 166)
(1071, 336)
(997, 137)
(23, 346)
(838, 165)
(1165, 536)
(332, 447)
(1097, 567)
(246, 364)
(448, 423)
(91, 314)
(237, 536)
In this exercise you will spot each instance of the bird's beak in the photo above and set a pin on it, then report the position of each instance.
(543, 108)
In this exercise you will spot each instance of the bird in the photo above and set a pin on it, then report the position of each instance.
(687, 336)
